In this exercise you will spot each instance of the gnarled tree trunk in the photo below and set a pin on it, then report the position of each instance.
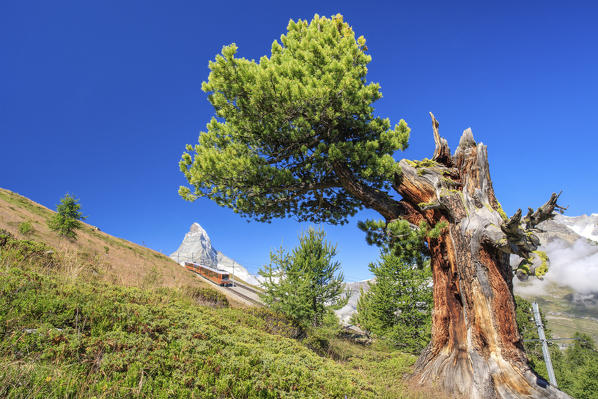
(476, 350)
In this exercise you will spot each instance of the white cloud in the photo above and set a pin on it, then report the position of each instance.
(575, 266)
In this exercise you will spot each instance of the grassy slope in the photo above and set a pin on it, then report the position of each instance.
(114, 259)
(74, 324)
(71, 337)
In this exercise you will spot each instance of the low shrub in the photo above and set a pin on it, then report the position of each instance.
(207, 296)
(80, 337)
(26, 228)
(273, 322)
(63, 339)
(26, 252)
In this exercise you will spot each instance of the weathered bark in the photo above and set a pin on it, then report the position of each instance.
(475, 350)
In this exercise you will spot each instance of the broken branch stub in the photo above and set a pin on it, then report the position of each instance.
(442, 152)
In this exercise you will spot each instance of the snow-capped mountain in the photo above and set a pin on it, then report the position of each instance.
(584, 225)
(197, 247)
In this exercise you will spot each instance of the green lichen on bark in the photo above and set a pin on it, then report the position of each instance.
(543, 268)
(421, 166)
(501, 212)
(426, 163)
(427, 204)
(524, 267)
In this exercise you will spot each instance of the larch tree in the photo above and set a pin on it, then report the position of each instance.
(294, 134)
(397, 304)
(305, 284)
(66, 220)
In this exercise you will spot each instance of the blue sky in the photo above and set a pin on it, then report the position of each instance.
(99, 99)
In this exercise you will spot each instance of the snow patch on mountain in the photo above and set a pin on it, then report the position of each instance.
(584, 225)
(233, 267)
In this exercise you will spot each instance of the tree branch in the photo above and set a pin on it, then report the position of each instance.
(302, 188)
(521, 239)
(371, 197)
(545, 212)
(442, 152)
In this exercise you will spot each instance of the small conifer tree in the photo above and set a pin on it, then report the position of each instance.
(67, 218)
(397, 307)
(305, 284)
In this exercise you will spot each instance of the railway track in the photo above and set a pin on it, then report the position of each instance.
(244, 296)
(248, 288)
(251, 294)
(236, 290)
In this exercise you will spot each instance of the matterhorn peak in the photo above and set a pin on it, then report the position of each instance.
(196, 228)
(197, 247)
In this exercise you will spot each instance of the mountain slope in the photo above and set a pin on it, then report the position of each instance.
(354, 290)
(68, 330)
(568, 293)
(114, 259)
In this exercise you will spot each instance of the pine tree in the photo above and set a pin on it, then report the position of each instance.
(397, 305)
(295, 134)
(66, 220)
(305, 284)
(577, 372)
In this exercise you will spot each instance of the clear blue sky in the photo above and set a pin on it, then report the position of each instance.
(99, 99)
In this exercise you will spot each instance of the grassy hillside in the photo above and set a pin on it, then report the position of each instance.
(64, 336)
(94, 252)
(79, 320)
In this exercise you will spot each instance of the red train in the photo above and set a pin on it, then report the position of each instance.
(217, 276)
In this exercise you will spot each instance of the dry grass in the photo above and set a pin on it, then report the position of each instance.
(96, 253)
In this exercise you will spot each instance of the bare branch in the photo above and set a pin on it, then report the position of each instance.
(520, 232)
(442, 152)
(371, 197)
(545, 212)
